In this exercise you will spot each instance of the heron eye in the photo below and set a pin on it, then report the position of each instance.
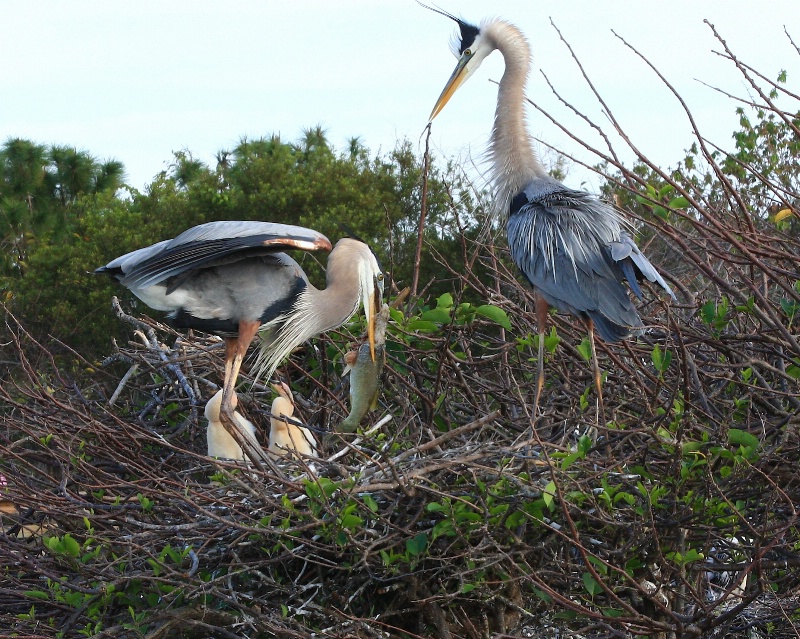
(380, 277)
(468, 52)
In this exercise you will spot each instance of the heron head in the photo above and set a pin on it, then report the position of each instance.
(470, 45)
(354, 279)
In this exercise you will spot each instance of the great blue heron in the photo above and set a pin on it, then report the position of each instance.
(220, 442)
(232, 279)
(573, 248)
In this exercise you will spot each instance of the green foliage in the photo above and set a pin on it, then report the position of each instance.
(700, 453)
(39, 187)
(661, 359)
(307, 183)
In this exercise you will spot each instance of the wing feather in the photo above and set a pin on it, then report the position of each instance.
(574, 251)
(206, 244)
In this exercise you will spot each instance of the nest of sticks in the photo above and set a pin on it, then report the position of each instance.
(446, 516)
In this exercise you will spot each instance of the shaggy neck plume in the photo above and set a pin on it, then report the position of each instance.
(510, 146)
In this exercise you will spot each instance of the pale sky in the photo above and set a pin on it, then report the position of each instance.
(136, 81)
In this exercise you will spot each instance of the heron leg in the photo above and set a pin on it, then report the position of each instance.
(542, 309)
(235, 351)
(598, 381)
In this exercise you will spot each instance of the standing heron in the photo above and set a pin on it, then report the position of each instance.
(232, 279)
(573, 249)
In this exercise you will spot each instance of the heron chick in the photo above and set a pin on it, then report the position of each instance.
(220, 442)
(574, 249)
(286, 437)
(233, 279)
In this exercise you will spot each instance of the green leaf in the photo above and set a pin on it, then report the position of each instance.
(679, 203)
(667, 188)
(422, 326)
(444, 527)
(552, 340)
(585, 349)
(36, 594)
(549, 493)
(370, 502)
(440, 315)
(591, 585)
(569, 460)
(71, 546)
(496, 314)
(445, 301)
(742, 438)
(515, 519)
(417, 544)
(708, 312)
(661, 359)
(321, 487)
(352, 522)
(396, 315)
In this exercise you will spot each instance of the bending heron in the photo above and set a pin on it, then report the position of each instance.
(574, 249)
(232, 279)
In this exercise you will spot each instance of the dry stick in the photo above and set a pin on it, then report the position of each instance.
(478, 423)
(421, 472)
(775, 85)
(423, 213)
(736, 98)
(796, 48)
(584, 552)
(783, 193)
(720, 229)
(743, 69)
(148, 330)
(128, 374)
(597, 95)
(717, 225)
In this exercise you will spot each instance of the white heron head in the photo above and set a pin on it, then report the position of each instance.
(370, 282)
(470, 45)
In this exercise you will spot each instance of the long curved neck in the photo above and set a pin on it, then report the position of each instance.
(511, 148)
(314, 311)
(339, 304)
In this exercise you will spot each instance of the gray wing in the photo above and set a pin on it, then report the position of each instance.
(627, 254)
(573, 250)
(205, 244)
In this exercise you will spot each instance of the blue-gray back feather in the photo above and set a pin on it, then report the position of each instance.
(574, 251)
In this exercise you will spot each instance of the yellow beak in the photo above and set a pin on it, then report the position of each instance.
(456, 80)
(373, 301)
(371, 334)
